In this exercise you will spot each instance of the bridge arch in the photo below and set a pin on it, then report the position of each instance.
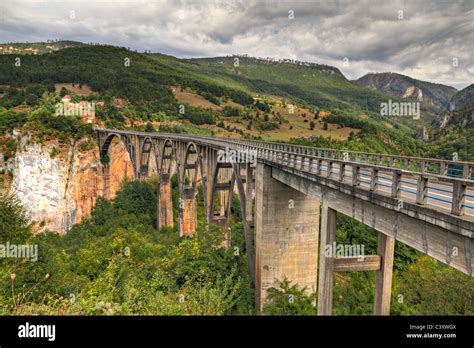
(191, 166)
(167, 156)
(148, 149)
(112, 178)
(104, 149)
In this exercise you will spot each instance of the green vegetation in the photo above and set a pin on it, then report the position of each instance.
(370, 140)
(289, 300)
(46, 125)
(455, 138)
(230, 111)
(31, 95)
(139, 78)
(186, 129)
(315, 85)
(198, 116)
(116, 263)
(10, 119)
(54, 152)
(137, 87)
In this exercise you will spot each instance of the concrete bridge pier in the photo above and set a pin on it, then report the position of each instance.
(287, 227)
(187, 213)
(165, 204)
(326, 264)
(383, 280)
(106, 176)
(382, 263)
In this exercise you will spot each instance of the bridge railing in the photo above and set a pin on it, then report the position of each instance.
(454, 195)
(456, 169)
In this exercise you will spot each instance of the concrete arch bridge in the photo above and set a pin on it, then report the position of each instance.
(290, 195)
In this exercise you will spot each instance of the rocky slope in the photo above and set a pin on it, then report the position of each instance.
(60, 190)
(464, 99)
(37, 47)
(432, 95)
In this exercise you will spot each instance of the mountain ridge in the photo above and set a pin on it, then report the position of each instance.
(434, 96)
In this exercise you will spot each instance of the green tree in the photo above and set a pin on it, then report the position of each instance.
(150, 128)
(137, 198)
(14, 225)
(289, 300)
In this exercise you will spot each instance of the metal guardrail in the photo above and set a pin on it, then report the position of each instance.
(440, 184)
(417, 164)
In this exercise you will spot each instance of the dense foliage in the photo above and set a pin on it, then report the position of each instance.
(117, 263)
(126, 74)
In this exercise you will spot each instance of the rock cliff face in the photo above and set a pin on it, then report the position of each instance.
(432, 95)
(464, 99)
(60, 190)
(120, 167)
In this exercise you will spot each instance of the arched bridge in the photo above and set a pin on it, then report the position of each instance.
(290, 195)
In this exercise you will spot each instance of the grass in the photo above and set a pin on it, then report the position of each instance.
(186, 96)
(80, 91)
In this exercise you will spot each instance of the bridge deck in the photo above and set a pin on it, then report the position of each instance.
(443, 185)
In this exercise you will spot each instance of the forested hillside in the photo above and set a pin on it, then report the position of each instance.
(455, 130)
(116, 263)
(246, 97)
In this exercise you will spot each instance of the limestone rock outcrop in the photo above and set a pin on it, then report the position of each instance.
(60, 189)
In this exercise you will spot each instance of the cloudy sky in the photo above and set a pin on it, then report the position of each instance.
(428, 40)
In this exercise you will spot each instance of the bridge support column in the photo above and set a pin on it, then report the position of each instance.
(249, 187)
(287, 226)
(326, 262)
(383, 280)
(106, 176)
(187, 213)
(165, 203)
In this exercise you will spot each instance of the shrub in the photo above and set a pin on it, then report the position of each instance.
(54, 152)
(289, 300)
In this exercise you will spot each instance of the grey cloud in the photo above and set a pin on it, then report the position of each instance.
(367, 32)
